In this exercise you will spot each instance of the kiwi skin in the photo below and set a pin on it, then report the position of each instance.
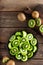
(38, 21)
(21, 17)
(10, 62)
(40, 30)
(35, 14)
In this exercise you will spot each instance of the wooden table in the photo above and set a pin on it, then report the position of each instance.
(14, 5)
(9, 24)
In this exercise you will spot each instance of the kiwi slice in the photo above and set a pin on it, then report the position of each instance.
(18, 56)
(35, 49)
(14, 51)
(41, 28)
(26, 46)
(18, 34)
(23, 51)
(31, 48)
(10, 45)
(5, 59)
(24, 58)
(24, 33)
(38, 21)
(30, 54)
(30, 36)
(34, 41)
(31, 23)
(12, 38)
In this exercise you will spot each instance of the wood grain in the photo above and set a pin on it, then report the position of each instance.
(29, 62)
(9, 19)
(17, 5)
(5, 33)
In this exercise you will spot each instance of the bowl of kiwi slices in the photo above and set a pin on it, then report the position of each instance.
(22, 45)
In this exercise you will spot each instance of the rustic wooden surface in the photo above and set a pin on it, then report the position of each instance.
(9, 24)
(16, 5)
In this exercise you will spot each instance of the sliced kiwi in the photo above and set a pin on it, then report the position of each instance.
(31, 23)
(41, 28)
(18, 56)
(31, 48)
(10, 45)
(12, 38)
(38, 21)
(23, 51)
(18, 34)
(24, 33)
(35, 49)
(34, 41)
(26, 46)
(5, 59)
(24, 58)
(30, 36)
(30, 54)
(14, 51)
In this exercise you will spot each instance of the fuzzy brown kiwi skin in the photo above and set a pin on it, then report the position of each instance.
(42, 23)
(10, 62)
(35, 14)
(21, 17)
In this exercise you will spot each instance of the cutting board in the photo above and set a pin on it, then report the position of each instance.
(9, 24)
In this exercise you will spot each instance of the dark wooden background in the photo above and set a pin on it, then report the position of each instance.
(9, 24)
(16, 5)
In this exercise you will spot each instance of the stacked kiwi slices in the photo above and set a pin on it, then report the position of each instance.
(22, 45)
(36, 21)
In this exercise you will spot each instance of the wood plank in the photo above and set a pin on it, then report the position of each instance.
(4, 51)
(16, 5)
(5, 33)
(29, 62)
(9, 19)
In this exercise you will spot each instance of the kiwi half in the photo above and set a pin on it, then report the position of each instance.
(41, 28)
(31, 23)
(38, 21)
